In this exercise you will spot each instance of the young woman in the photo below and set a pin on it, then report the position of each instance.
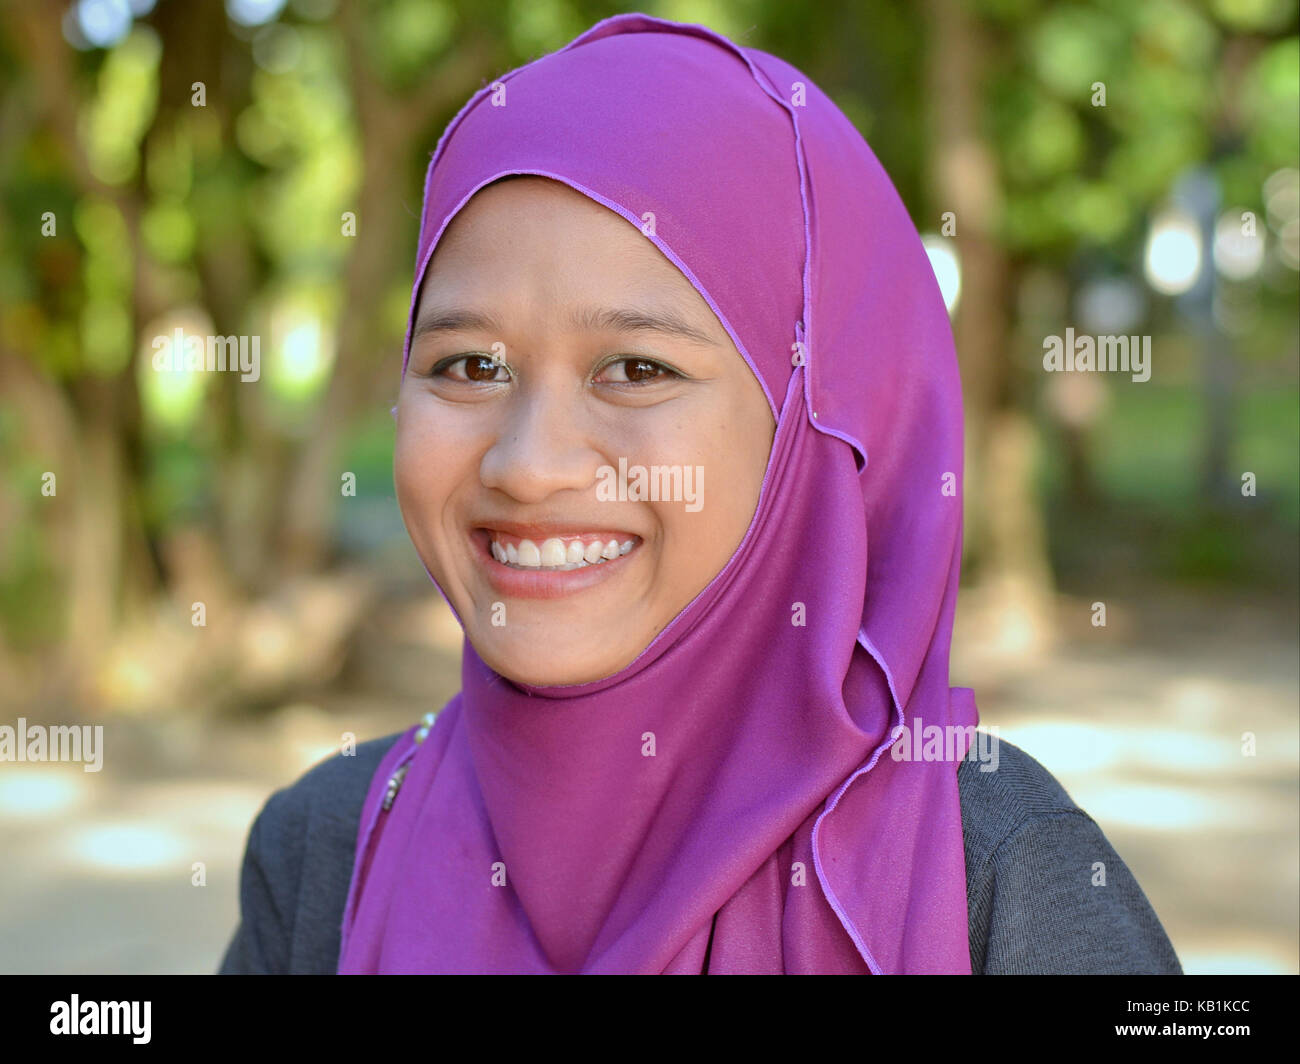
(679, 438)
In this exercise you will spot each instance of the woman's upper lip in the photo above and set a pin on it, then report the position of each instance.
(543, 530)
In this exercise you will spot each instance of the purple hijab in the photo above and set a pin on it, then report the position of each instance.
(772, 831)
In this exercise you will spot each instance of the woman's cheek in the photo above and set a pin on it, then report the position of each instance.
(424, 486)
(663, 445)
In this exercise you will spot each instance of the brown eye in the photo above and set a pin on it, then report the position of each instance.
(480, 368)
(640, 369)
(635, 370)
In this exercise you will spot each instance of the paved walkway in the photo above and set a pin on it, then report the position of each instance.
(1143, 724)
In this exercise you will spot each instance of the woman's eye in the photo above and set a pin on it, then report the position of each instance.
(481, 369)
(636, 371)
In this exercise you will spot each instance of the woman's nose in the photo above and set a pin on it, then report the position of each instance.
(541, 448)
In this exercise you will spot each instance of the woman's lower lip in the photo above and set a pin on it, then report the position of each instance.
(544, 583)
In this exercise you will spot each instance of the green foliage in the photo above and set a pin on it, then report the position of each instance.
(230, 216)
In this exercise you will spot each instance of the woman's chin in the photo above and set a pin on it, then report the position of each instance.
(546, 668)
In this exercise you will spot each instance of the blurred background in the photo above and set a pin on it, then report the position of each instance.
(217, 573)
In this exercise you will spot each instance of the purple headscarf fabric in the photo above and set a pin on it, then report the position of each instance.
(773, 831)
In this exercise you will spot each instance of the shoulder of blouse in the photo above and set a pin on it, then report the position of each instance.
(297, 868)
(1046, 892)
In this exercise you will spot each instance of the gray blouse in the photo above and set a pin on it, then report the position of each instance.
(1030, 858)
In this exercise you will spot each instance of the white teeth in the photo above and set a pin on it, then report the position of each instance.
(554, 553)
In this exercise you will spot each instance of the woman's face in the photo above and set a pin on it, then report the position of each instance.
(554, 347)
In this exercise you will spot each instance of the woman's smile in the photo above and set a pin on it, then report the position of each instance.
(536, 561)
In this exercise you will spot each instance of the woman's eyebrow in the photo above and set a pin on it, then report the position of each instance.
(595, 319)
(599, 319)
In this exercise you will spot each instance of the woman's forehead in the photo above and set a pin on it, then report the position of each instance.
(533, 238)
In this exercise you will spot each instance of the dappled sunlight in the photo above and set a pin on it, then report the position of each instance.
(125, 848)
(1195, 698)
(1075, 747)
(37, 792)
(1262, 960)
(1114, 773)
(1065, 747)
(1158, 808)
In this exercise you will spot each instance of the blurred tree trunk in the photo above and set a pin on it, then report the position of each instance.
(368, 364)
(1220, 488)
(111, 565)
(250, 458)
(1004, 530)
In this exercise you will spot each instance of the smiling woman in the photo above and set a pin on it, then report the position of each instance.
(604, 354)
(668, 754)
